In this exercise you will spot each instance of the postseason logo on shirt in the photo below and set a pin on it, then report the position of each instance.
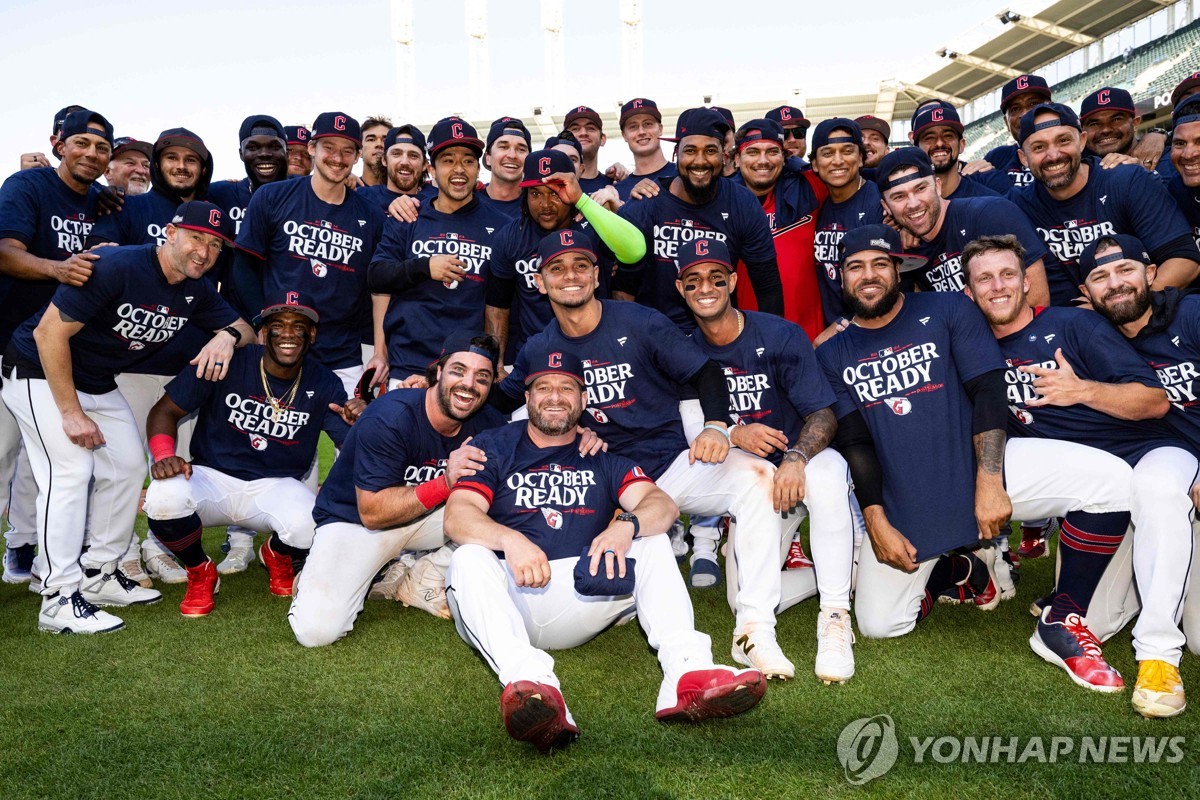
(142, 325)
(669, 235)
(71, 231)
(323, 244)
(1070, 238)
(893, 370)
(450, 243)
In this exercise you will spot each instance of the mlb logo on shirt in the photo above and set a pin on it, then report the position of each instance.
(451, 235)
(258, 443)
(553, 518)
(164, 310)
(318, 268)
(887, 351)
(556, 467)
(899, 405)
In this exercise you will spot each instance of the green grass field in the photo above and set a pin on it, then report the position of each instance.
(230, 706)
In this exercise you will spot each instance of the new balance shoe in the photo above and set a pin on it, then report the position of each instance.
(280, 573)
(203, 584)
(385, 583)
(796, 559)
(760, 651)
(835, 646)
(163, 567)
(1159, 690)
(1070, 645)
(704, 573)
(18, 563)
(238, 559)
(72, 613)
(107, 585)
(713, 693)
(536, 713)
(424, 586)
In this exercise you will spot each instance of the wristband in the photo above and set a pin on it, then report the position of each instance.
(235, 333)
(803, 455)
(712, 426)
(1163, 131)
(432, 493)
(162, 446)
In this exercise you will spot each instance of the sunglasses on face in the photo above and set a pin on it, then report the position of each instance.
(793, 133)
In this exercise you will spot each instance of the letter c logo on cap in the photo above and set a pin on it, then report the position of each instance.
(456, 130)
(1022, 82)
(339, 123)
(637, 103)
(1103, 98)
(214, 218)
(786, 114)
(544, 165)
(292, 299)
(555, 360)
(566, 238)
(701, 247)
(937, 115)
(301, 134)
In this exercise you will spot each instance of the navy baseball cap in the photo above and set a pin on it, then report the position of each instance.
(460, 342)
(1187, 110)
(701, 251)
(77, 122)
(544, 163)
(882, 238)
(508, 126)
(337, 123)
(898, 159)
(548, 361)
(1185, 86)
(639, 105)
(1127, 247)
(404, 134)
(868, 122)
(726, 115)
(1020, 85)
(290, 301)
(556, 244)
(260, 125)
(1065, 117)
(451, 132)
(788, 116)
(583, 112)
(759, 130)
(296, 134)
(824, 134)
(181, 137)
(197, 215)
(124, 143)
(699, 122)
(931, 115)
(1107, 99)
(564, 138)
(61, 116)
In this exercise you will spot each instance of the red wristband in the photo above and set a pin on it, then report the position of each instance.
(432, 493)
(162, 445)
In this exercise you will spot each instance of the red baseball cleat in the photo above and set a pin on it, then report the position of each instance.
(202, 583)
(796, 559)
(536, 713)
(1070, 645)
(279, 570)
(718, 692)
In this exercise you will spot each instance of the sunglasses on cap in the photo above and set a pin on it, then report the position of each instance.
(794, 132)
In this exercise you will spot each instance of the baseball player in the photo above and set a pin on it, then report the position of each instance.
(82, 441)
(538, 511)
(1184, 185)
(1165, 165)
(46, 214)
(434, 269)
(508, 142)
(588, 130)
(407, 165)
(937, 130)
(1110, 118)
(255, 438)
(876, 135)
(780, 410)
(636, 362)
(1072, 202)
(698, 204)
(374, 152)
(300, 161)
(314, 236)
(920, 388)
(262, 146)
(1017, 96)
(795, 129)
(129, 168)
(641, 128)
(515, 309)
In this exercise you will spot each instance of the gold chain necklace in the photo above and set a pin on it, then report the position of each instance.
(741, 322)
(278, 403)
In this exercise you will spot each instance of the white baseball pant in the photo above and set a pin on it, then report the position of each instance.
(18, 492)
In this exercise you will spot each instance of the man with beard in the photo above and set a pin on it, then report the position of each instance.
(300, 163)
(510, 581)
(404, 157)
(698, 204)
(1184, 185)
(1072, 378)
(374, 132)
(262, 146)
(515, 309)
(641, 128)
(1110, 120)
(911, 190)
(1017, 97)
(129, 168)
(937, 129)
(1073, 202)
(430, 273)
(588, 130)
(508, 142)
(255, 438)
(876, 134)
(46, 214)
(385, 492)
(795, 129)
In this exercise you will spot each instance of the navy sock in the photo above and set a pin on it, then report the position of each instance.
(298, 554)
(181, 537)
(1086, 545)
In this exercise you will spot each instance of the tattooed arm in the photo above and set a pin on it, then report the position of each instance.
(819, 429)
(993, 508)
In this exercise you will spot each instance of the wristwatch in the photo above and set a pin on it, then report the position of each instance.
(625, 516)
(234, 332)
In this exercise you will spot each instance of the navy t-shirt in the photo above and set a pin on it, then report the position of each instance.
(419, 318)
(558, 499)
(772, 374)
(966, 220)
(1124, 199)
(391, 444)
(627, 184)
(734, 217)
(833, 220)
(968, 186)
(382, 197)
(53, 221)
(1174, 355)
(232, 197)
(1188, 201)
(1097, 352)
(906, 379)
(321, 251)
(1006, 161)
(240, 434)
(509, 208)
(633, 363)
(129, 311)
(589, 185)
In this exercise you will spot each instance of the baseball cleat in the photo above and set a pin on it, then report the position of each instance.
(1070, 645)
(163, 567)
(712, 693)
(1042, 603)
(280, 575)
(385, 583)
(1159, 691)
(796, 559)
(760, 651)
(106, 585)
(536, 713)
(1034, 538)
(956, 595)
(74, 614)
(424, 587)
(238, 559)
(18, 563)
(835, 646)
(982, 580)
(203, 584)
(704, 574)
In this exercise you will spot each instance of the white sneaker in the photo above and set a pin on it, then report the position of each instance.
(835, 651)
(131, 565)
(238, 559)
(385, 587)
(109, 586)
(72, 613)
(424, 586)
(679, 545)
(1002, 570)
(760, 651)
(165, 568)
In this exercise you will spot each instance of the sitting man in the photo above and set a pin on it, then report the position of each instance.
(524, 521)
